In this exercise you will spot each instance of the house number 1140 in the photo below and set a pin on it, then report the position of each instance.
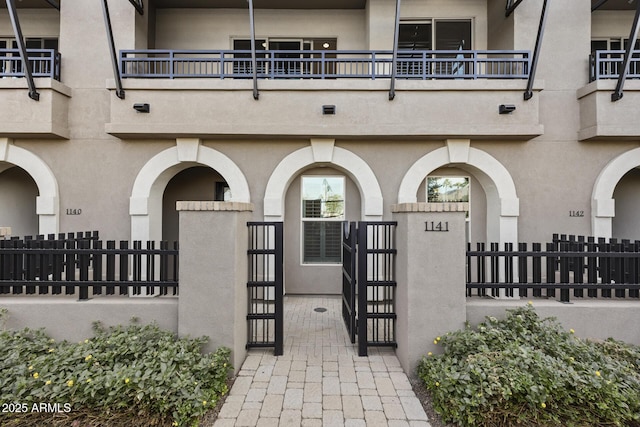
(74, 211)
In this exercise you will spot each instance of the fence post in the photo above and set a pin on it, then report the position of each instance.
(213, 274)
(430, 266)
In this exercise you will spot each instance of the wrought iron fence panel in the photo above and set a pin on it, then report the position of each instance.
(82, 266)
(568, 263)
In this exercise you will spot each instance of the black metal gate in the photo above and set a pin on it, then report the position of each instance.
(265, 286)
(349, 278)
(369, 255)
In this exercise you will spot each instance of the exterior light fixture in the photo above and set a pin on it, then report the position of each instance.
(141, 108)
(328, 109)
(325, 45)
(506, 108)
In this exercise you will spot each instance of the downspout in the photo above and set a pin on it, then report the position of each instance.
(17, 31)
(112, 49)
(254, 61)
(617, 95)
(394, 60)
(528, 94)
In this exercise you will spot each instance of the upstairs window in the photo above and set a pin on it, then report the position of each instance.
(290, 56)
(323, 211)
(435, 34)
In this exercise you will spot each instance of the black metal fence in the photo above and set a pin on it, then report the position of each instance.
(265, 318)
(603, 268)
(77, 263)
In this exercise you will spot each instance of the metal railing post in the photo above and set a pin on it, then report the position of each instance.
(617, 94)
(112, 50)
(15, 22)
(394, 60)
(528, 94)
(254, 61)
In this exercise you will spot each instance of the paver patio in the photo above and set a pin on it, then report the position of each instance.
(320, 380)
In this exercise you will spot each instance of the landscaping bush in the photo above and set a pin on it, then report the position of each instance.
(528, 371)
(140, 370)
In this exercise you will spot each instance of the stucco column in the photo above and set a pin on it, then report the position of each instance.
(430, 265)
(213, 274)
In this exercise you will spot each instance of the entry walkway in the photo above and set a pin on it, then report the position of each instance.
(320, 380)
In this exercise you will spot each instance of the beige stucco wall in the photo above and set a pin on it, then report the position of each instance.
(33, 22)
(589, 319)
(611, 24)
(67, 319)
(216, 28)
(109, 143)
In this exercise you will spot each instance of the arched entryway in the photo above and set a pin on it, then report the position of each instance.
(315, 188)
(40, 203)
(615, 200)
(502, 203)
(146, 202)
(18, 193)
(193, 184)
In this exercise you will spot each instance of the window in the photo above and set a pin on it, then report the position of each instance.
(290, 58)
(433, 34)
(244, 66)
(447, 189)
(322, 215)
(450, 189)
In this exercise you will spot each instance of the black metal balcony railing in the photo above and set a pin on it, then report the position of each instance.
(320, 64)
(607, 64)
(43, 62)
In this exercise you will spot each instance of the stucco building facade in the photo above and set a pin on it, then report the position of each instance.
(83, 158)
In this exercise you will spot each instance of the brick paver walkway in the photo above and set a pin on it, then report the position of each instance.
(320, 380)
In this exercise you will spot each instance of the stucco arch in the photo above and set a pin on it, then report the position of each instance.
(48, 201)
(602, 202)
(502, 200)
(145, 204)
(322, 151)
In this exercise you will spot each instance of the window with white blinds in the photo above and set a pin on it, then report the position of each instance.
(322, 215)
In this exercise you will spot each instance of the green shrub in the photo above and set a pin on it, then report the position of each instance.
(138, 369)
(528, 371)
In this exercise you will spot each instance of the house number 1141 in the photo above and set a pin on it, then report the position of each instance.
(436, 226)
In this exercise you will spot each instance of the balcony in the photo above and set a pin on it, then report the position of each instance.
(601, 119)
(22, 117)
(440, 94)
(322, 64)
(607, 64)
